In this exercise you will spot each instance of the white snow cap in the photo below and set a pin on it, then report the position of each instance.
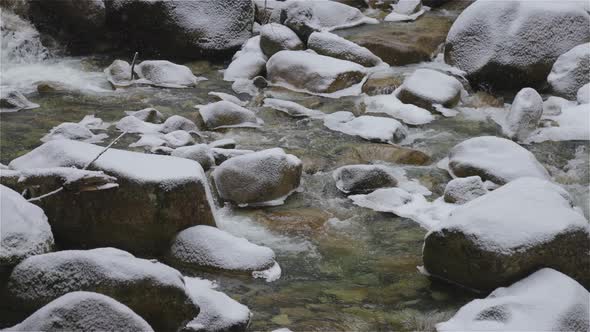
(247, 63)
(390, 105)
(372, 128)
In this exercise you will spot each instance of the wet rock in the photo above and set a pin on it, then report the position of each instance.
(372, 128)
(382, 82)
(153, 290)
(426, 88)
(223, 114)
(366, 153)
(501, 237)
(258, 177)
(150, 115)
(313, 72)
(525, 114)
(157, 197)
(495, 159)
(329, 44)
(52, 87)
(511, 45)
(260, 82)
(277, 37)
(247, 63)
(165, 74)
(363, 179)
(570, 71)
(83, 311)
(583, 95)
(14, 101)
(25, 231)
(200, 153)
(463, 190)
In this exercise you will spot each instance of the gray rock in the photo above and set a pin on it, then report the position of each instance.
(583, 95)
(525, 114)
(177, 122)
(463, 190)
(200, 153)
(165, 74)
(149, 114)
(222, 154)
(570, 72)
(363, 179)
(329, 44)
(276, 37)
(426, 88)
(223, 114)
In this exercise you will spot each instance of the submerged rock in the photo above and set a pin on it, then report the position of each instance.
(84, 311)
(157, 197)
(14, 101)
(153, 290)
(258, 177)
(426, 88)
(463, 190)
(363, 179)
(224, 114)
(366, 153)
(329, 44)
(525, 114)
(570, 72)
(501, 237)
(277, 37)
(513, 44)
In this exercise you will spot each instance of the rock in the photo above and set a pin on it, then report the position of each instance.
(150, 115)
(329, 44)
(547, 300)
(393, 107)
(363, 179)
(177, 122)
(372, 128)
(291, 108)
(426, 88)
(268, 11)
(463, 190)
(223, 154)
(258, 177)
(276, 37)
(313, 72)
(185, 29)
(14, 101)
(157, 197)
(570, 71)
(83, 311)
(434, 3)
(495, 159)
(73, 131)
(25, 231)
(247, 63)
(525, 114)
(227, 97)
(553, 105)
(210, 247)
(501, 237)
(153, 290)
(200, 153)
(583, 95)
(54, 87)
(134, 125)
(513, 44)
(165, 74)
(119, 73)
(405, 10)
(226, 143)
(223, 114)
(366, 153)
(178, 138)
(382, 82)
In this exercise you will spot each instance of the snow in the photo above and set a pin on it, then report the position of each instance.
(211, 247)
(218, 312)
(224, 114)
(329, 44)
(583, 95)
(15, 100)
(228, 97)
(225, 143)
(525, 114)
(547, 300)
(166, 74)
(368, 127)
(553, 105)
(148, 115)
(432, 86)
(78, 131)
(25, 230)
(570, 71)
(463, 190)
(291, 108)
(406, 10)
(574, 124)
(269, 275)
(525, 212)
(177, 122)
(393, 107)
(276, 37)
(133, 125)
(246, 86)
(247, 63)
(223, 154)
(200, 153)
(67, 175)
(329, 15)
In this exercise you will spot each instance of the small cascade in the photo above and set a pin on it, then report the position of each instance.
(21, 42)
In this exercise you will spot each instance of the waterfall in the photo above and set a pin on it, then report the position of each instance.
(20, 41)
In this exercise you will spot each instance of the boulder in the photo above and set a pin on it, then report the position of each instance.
(547, 300)
(200, 153)
(393, 107)
(583, 95)
(268, 11)
(223, 154)
(463, 190)
(503, 236)
(495, 159)
(153, 290)
(165, 74)
(225, 143)
(224, 114)
(366, 153)
(151, 115)
(247, 63)
(25, 230)
(14, 101)
(186, 29)
(570, 72)
(258, 177)
(525, 114)
(363, 179)
(177, 122)
(210, 247)
(329, 44)
(118, 73)
(313, 72)
(513, 44)
(405, 10)
(426, 88)
(276, 37)
(83, 311)
(73, 131)
(292, 108)
(372, 128)
(227, 97)
(157, 197)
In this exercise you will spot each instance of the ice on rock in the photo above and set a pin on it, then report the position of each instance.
(463, 190)
(393, 107)
(25, 231)
(570, 72)
(151, 115)
(200, 153)
(228, 97)
(224, 114)
(525, 114)
(573, 125)
(405, 10)
(547, 300)
(426, 88)
(362, 179)
(166, 74)
(583, 95)
(219, 312)
(371, 128)
(276, 37)
(247, 63)
(292, 108)
(329, 44)
(84, 311)
(495, 159)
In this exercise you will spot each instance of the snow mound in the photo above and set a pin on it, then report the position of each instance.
(463, 190)
(573, 125)
(393, 107)
(224, 114)
(247, 63)
(368, 127)
(525, 114)
(200, 153)
(329, 44)
(134, 125)
(571, 71)
(78, 131)
(291, 108)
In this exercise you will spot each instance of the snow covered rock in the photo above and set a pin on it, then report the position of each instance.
(547, 300)
(513, 44)
(276, 37)
(14, 101)
(165, 74)
(553, 105)
(372, 128)
(153, 290)
(382, 82)
(495, 159)
(426, 88)
(133, 125)
(525, 114)
(363, 179)
(247, 63)
(329, 44)
(258, 177)
(223, 154)
(25, 231)
(463, 190)
(405, 10)
(200, 153)
(583, 95)
(227, 97)
(83, 311)
(118, 73)
(313, 72)
(224, 114)
(177, 122)
(393, 107)
(157, 197)
(571, 125)
(210, 247)
(185, 29)
(151, 115)
(571, 71)
(291, 108)
(73, 131)
(503, 236)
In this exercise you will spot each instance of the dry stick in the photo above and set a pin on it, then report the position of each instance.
(133, 65)
(38, 198)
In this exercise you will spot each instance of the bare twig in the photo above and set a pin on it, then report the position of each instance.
(133, 65)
